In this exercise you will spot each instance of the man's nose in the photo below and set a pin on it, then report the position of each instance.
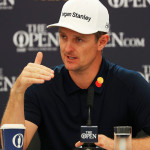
(69, 46)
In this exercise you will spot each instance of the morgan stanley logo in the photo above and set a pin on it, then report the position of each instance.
(76, 15)
(18, 140)
(129, 3)
(7, 4)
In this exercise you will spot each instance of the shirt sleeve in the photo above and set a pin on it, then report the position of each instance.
(31, 106)
(140, 101)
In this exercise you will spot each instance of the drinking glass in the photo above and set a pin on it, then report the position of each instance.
(123, 138)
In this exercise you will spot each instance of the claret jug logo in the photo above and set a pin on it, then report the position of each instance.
(18, 140)
(36, 38)
(7, 4)
(129, 3)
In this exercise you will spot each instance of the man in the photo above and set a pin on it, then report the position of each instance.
(56, 104)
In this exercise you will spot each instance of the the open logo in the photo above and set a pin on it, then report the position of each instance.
(18, 140)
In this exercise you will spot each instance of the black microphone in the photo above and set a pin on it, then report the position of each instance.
(89, 133)
(90, 101)
(90, 97)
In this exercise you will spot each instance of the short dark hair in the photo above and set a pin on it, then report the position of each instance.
(99, 34)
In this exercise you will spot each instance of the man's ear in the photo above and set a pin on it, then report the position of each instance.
(103, 40)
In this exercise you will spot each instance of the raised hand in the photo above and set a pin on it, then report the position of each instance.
(33, 73)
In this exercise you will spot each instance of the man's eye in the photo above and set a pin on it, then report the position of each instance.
(63, 36)
(79, 39)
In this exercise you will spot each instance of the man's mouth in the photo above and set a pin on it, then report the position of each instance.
(71, 57)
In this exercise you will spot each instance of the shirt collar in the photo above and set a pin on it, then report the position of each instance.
(70, 87)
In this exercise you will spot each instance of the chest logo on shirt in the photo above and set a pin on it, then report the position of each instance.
(99, 82)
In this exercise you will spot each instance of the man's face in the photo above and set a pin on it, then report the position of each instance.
(78, 51)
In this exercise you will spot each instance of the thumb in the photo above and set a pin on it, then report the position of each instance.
(39, 57)
(79, 144)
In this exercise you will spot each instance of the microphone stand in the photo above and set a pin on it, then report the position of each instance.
(90, 99)
(89, 146)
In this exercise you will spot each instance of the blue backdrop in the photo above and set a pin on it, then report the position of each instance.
(23, 32)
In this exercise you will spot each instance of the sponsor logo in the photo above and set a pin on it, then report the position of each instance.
(146, 72)
(6, 82)
(88, 135)
(107, 26)
(36, 38)
(18, 140)
(129, 3)
(76, 15)
(7, 4)
(120, 40)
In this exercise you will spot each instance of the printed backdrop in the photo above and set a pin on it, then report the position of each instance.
(23, 33)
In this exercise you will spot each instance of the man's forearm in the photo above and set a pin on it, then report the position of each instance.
(14, 113)
(141, 144)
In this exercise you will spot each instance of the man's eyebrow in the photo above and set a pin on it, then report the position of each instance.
(60, 31)
(81, 36)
